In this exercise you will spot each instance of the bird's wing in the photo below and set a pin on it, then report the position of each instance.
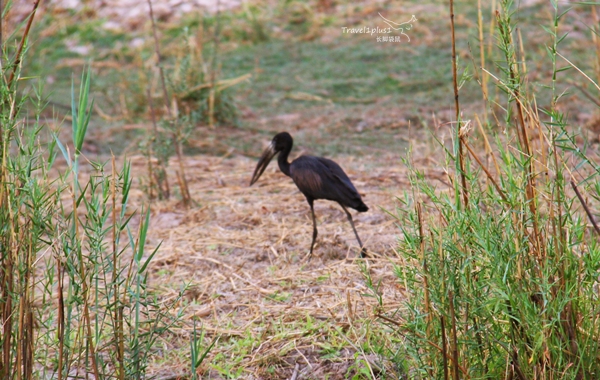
(308, 175)
(320, 178)
(337, 172)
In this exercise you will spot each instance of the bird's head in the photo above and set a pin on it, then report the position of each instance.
(280, 142)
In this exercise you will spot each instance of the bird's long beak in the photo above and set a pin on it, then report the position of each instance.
(268, 154)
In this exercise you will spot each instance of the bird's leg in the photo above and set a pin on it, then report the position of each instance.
(312, 210)
(363, 251)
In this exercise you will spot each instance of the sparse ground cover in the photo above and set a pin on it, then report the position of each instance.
(240, 251)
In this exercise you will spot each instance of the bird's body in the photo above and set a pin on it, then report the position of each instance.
(316, 177)
(320, 178)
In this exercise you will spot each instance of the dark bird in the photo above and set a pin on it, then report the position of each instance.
(316, 178)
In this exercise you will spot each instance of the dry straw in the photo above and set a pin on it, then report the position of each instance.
(244, 249)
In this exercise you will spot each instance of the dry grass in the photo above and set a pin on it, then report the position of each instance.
(243, 251)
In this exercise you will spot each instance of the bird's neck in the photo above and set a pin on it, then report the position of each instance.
(282, 160)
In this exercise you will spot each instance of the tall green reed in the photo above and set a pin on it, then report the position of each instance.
(507, 286)
(74, 294)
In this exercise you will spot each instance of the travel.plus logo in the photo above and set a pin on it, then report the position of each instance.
(393, 33)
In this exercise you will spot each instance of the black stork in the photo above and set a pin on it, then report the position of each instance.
(316, 178)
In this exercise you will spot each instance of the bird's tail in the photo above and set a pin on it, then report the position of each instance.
(361, 207)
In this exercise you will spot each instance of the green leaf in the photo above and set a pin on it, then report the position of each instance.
(143, 267)
(205, 353)
(73, 111)
(562, 38)
(564, 13)
(142, 237)
(62, 149)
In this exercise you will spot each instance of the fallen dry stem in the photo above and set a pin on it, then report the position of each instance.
(580, 71)
(585, 207)
(19, 53)
(487, 173)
